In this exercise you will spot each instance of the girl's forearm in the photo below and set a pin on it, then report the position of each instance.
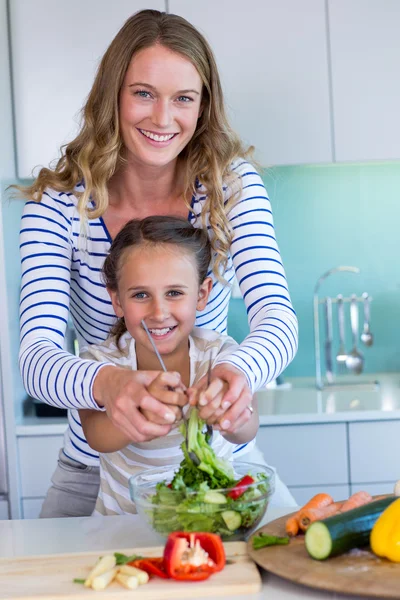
(100, 433)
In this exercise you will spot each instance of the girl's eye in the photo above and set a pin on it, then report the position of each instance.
(142, 94)
(174, 293)
(139, 295)
(185, 99)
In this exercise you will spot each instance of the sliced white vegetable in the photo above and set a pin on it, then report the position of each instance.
(141, 575)
(100, 582)
(130, 582)
(104, 564)
(397, 488)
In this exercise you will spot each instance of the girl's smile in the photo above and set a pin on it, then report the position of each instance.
(159, 284)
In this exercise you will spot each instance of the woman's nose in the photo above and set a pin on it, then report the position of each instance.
(162, 114)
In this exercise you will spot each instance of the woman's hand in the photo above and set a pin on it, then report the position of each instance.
(138, 402)
(225, 403)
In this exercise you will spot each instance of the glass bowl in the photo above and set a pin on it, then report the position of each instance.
(166, 510)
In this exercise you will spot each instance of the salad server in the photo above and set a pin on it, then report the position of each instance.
(209, 431)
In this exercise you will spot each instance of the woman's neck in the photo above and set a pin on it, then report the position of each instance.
(145, 190)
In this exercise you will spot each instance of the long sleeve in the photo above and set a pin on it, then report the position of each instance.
(48, 372)
(272, 342)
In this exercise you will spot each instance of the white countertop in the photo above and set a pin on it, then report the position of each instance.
(364, 400)
(58, 536)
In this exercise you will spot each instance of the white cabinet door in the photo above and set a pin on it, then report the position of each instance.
(273, 61)
(31, 507)
(374, 451)
(306, 455)
(37, 461)
(4, 514)
(56, 48)
(365, 54)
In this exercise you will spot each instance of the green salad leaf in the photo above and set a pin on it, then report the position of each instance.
(188, 502)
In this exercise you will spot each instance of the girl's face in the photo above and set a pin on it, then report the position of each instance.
(160, 103)
(160, 285)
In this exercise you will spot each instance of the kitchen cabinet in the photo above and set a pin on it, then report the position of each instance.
(374, 451)
(302, 494)
(296, 452)
(56, 47)
(365, 57)
(274, 73)
(37, 462)
(3, 510)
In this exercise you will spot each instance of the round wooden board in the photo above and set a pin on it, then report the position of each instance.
(358, 572)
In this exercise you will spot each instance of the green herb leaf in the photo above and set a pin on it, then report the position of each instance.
(122, 559)
(82, 581)
(262, 540)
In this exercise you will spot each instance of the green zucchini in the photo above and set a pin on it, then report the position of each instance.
(344, 531)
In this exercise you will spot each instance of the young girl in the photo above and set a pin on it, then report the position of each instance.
(156, 273)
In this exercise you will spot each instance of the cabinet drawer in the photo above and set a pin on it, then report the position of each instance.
(303, 494)
(306, 454)
(375, 489)
(374, 451)
(31, 507)
(37, 461)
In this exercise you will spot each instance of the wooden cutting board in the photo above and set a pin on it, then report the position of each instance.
(357, 572)
(51, 577)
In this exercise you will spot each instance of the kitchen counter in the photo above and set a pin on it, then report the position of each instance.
(58, 536)
(369, 398)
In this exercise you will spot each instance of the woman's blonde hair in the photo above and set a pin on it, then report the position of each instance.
(97, 151)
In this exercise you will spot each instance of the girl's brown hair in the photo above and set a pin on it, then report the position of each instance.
(155, 231)
(97, 152)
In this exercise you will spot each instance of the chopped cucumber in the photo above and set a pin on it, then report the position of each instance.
(232, 519)
(212, 497)
(344, 531)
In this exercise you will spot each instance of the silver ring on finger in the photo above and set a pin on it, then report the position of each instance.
(251, 409)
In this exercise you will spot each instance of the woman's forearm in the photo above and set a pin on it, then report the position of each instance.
(100, 433)
(248, 431)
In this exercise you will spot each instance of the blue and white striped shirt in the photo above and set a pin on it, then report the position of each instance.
(59, 278)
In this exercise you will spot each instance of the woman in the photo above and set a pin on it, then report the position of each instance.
(154, 140)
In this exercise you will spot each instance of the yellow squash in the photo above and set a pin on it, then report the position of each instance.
(385, 534)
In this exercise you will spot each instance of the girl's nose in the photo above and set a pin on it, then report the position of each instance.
(162, 113)
(159, 311)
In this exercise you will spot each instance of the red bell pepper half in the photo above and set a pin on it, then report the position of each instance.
(152, 566)
(193, 556)
(240, 487)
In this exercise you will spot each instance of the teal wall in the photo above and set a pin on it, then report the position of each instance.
(338, 215)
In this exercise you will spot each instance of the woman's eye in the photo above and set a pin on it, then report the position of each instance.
(142, 94)
(185, 99)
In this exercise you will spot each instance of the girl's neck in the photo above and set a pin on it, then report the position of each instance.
(179, 361)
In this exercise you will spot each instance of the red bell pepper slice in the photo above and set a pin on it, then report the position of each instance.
(193, 556)
(240, 487)
(152, 566)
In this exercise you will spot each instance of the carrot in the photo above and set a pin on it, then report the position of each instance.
(292, 526)
(357, 499)
(317, 501)
(309, 515)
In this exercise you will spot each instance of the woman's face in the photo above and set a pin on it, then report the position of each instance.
(160, 103)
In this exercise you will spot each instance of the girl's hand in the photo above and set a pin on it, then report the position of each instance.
(131, 406)
(165, 390)
(229, 403)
